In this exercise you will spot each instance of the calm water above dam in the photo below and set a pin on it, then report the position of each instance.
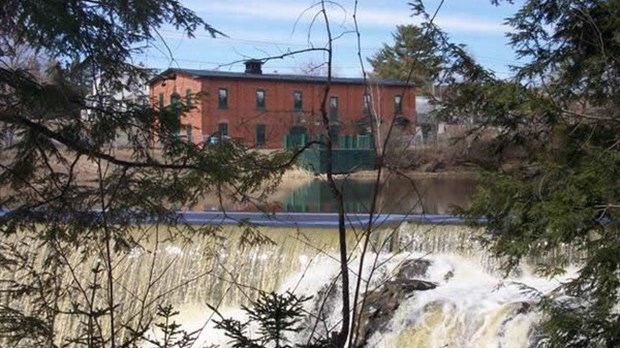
(396, 195)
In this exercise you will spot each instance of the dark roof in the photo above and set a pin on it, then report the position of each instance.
(198, 74)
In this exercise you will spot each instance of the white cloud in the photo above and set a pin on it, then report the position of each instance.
(265, 28)
(256, 10)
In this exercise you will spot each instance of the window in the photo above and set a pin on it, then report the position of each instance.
(174, 99)
(188, 97)
(333, 108)
(188, 133)
(260, 99)
(298, 101)
(222, 98)
(261, 137)
(161, 100)
(398, 104)
(366, 103)
(175, 108)
(334, 134)
(222, 129)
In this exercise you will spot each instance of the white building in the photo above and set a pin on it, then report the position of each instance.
(118, 94)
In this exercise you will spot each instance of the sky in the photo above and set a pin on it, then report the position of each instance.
(268, 28)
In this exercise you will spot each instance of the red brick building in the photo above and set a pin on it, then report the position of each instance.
(260, 109)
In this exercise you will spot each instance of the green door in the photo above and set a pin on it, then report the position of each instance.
(298, 136)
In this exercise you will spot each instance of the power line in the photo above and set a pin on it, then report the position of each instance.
(215, 64)
(294, 44)
(221, 40)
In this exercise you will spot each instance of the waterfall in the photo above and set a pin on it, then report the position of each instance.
(471, 305)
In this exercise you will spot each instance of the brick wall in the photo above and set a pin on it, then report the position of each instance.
(242, 115)
(181, 84)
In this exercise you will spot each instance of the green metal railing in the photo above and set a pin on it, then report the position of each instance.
(352, 153)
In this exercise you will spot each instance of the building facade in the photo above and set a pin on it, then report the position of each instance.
(259, 109)
(117, 94)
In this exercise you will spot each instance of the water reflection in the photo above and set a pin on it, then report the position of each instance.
(396, 195)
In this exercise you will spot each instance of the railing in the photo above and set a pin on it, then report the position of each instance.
(351, 153)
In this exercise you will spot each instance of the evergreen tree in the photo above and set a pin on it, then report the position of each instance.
(275, 316)
(412, 57)
(68, 193)
(560, 115)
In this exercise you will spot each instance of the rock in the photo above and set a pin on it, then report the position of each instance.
(411, 269)
(324, 303)
(380, 304)
(524, 308)
(411, 285)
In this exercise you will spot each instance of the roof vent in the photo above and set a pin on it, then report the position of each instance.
(253, 66)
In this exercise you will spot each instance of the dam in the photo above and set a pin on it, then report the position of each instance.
(470, 304)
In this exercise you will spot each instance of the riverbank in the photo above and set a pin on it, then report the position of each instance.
(295, 178)
(364, 175)
(372, 174)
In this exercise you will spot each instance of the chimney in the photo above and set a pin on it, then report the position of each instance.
(253, 66)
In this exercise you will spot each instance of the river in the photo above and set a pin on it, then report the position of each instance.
(468, 303)
(472, 305)
(396, 195)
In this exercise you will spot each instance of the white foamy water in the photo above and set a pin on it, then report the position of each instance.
(470, 309)
(472, 305)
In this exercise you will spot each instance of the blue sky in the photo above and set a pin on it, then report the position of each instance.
(263, 28)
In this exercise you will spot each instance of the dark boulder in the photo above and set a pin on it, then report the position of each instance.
(411, 269)
(381, 303)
